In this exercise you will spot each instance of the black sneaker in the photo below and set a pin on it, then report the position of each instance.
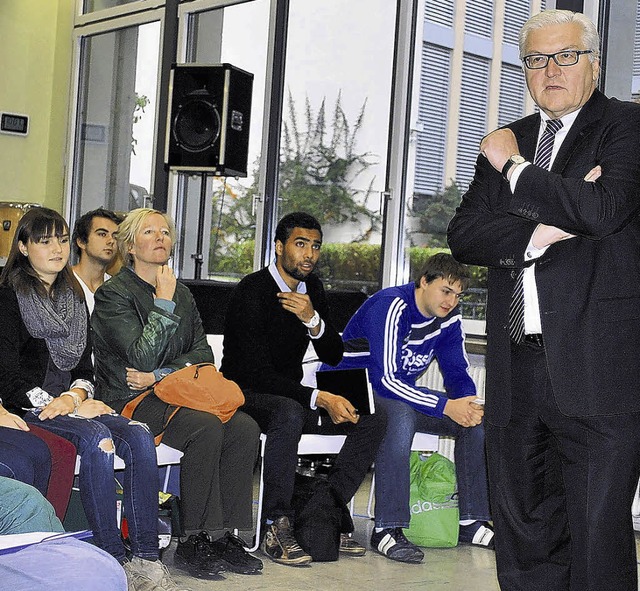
(349, 547)
(280, 545)
(195, 557)
(392, 543)
(231, 550)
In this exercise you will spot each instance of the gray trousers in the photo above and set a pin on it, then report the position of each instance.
(216, 471)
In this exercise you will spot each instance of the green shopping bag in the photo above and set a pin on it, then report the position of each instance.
(434, 501)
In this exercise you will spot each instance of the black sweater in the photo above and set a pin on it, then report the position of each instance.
(24, 360)
(264, 344)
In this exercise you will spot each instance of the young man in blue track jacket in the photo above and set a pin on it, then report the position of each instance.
(396, 334)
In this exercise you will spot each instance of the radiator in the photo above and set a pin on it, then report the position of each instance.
(432, 379)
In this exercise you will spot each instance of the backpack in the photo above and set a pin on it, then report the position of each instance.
(320, 518)
(434, 501)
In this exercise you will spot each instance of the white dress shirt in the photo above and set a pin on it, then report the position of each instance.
(532, 322)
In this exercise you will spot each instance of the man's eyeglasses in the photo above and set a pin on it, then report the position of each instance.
(568, 57)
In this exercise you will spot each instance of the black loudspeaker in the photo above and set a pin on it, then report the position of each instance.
(208, 119)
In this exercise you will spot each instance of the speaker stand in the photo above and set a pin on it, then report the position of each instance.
(198, 257)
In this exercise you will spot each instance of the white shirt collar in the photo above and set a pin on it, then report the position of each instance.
(302, 286)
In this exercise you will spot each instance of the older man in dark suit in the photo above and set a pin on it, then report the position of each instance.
(553, 212)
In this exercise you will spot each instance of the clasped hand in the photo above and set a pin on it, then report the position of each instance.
(139, 380)
(63, 405)
(464, 411)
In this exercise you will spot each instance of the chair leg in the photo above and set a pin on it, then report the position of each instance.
(371, 493)
(167, 474)
(256, 543)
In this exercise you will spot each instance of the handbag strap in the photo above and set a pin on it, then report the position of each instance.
(133, 404)
(158, 438)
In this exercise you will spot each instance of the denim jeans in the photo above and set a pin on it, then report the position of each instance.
(392, 464)
(134, 444)
(25, 457)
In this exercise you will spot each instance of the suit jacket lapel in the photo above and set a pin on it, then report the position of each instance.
(527, 137)
(583, 125)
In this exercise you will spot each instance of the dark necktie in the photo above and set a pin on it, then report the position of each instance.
(542, 159)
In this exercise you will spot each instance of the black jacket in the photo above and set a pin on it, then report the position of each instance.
(24, 359)
(588, 286)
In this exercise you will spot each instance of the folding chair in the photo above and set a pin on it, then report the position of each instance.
(166, 456)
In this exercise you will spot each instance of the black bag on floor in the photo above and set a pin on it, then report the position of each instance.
(320, 518)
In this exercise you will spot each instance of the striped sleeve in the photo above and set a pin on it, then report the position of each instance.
(394, 379)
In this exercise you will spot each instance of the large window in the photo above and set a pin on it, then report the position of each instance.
(116, 117)
(332, 138)
(218, 222)
(335, 129)
(369, 118)
(470, 82)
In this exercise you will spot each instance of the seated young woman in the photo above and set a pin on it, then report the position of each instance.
(145, 326)
(45, 366)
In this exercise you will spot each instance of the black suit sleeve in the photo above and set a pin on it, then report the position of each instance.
(329, 347)
(593, 210)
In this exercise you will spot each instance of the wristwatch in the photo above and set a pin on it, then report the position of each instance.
(509, 164)
(315, 320)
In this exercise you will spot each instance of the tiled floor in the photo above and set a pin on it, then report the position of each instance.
(455, 569)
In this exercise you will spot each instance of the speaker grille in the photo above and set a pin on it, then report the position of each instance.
(208, 119)
(196, 126)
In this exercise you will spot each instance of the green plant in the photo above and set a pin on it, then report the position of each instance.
(319, 165)
(319, 168)
(139, 105)
(434, 213)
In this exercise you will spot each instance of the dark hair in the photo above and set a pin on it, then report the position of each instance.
(35, 224)
(445, 266)
(297, 219)
(83, 226)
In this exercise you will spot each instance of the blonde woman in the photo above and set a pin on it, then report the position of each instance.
(146, 325)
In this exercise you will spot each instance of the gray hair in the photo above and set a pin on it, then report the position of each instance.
(590, 36)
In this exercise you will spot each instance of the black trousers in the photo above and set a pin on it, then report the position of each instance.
(561, 490)
(284, 420)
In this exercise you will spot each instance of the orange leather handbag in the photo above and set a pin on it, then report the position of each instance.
(200, 387)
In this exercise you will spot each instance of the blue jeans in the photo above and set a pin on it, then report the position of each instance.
(392, 464)
(134, 444)
(25, 457)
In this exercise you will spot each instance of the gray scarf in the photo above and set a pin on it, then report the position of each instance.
(61, 321)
